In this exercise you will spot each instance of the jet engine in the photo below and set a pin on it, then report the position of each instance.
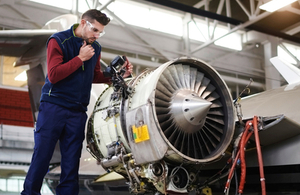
(173, 119)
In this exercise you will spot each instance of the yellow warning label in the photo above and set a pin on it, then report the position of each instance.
(207, 191)
(140, 133)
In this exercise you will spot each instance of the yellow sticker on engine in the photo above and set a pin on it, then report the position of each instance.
(140, 133)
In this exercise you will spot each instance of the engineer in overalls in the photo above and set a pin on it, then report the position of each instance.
(73, 64)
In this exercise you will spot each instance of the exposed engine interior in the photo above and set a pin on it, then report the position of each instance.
(174, 119)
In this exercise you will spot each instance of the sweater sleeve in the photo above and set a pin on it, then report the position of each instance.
(98, 74)
(57, 70)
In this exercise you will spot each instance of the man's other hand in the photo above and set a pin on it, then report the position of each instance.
(129, 68)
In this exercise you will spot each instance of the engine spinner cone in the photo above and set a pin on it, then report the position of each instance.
(189, 110)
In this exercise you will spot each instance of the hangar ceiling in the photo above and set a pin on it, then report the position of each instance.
(245, 14)
(152, 48)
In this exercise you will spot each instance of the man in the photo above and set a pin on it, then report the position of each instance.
(73, 63)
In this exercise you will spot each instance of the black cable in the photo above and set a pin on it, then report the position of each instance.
(236, 182)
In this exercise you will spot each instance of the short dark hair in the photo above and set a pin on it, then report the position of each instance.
(94, 14)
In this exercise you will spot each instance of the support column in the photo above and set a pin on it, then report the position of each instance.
(186, 39)
(272, 76)
(75, 7)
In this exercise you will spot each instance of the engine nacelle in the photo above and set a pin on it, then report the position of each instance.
(178, 115)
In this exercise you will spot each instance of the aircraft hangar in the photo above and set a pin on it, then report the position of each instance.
(237, 38)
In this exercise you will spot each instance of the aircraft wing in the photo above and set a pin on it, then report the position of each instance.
(29, 45)
(289, 72)
(274, 129)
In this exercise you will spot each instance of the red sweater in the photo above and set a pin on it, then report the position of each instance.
(58, 71)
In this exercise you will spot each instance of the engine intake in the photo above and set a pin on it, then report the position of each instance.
(194, 110)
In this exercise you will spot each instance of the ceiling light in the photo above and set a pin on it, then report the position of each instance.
(274, 5)
(22, 76)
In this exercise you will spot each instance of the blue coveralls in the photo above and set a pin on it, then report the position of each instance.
(62, 116)
(56, 123)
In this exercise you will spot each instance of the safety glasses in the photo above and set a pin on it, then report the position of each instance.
(94, 30)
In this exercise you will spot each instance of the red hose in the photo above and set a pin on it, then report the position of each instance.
(231, 170)
(243, 142)
(259, 156)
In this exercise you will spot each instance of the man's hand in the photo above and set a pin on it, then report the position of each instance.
(86, 52)
(129, 68)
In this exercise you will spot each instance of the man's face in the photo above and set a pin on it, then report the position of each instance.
(92, 31)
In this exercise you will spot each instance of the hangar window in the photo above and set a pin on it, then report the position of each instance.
(165, 22)
(131, 13)
(231, 41)
(147, 17)
(9, 73)
(199, 30)
(87, 4)
(3, 184)
(15, 184)
(66, 4)
(12, 185)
